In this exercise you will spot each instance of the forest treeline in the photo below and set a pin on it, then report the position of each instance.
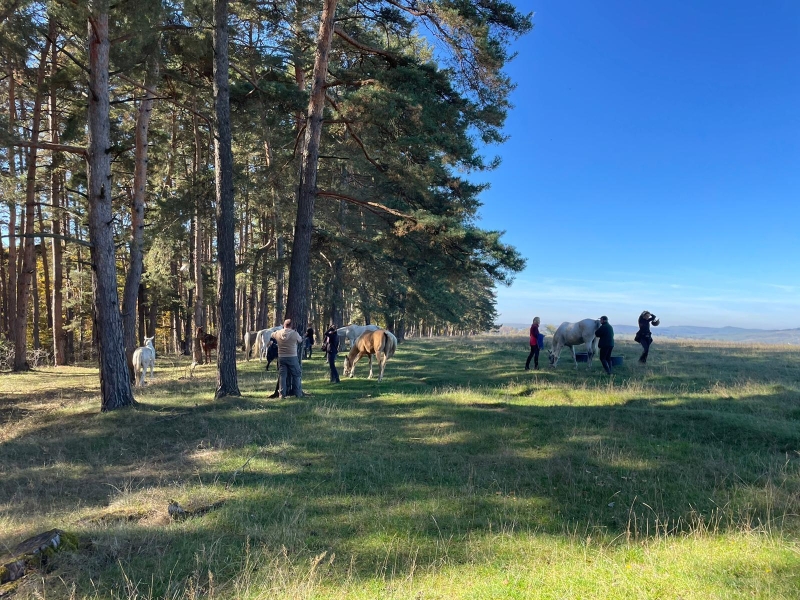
(174, 164)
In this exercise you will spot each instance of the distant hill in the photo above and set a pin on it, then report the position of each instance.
(728, 334)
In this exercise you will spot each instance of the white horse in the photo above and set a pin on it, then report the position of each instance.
(262, 341)
(144, 357)
(352, 332)
(249, 342)
(574, 334)
(379, 342)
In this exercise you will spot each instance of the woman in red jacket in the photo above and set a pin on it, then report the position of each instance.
(534, 346)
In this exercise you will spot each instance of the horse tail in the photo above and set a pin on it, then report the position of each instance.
(389, 344)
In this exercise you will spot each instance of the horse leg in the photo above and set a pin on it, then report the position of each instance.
(370, 367)
(574, 358)
(383, 359)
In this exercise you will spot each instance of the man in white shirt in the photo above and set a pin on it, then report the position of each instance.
(288, 361)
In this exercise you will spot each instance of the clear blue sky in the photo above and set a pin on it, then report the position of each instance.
(653, 163)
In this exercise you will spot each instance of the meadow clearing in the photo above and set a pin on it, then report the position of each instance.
(459, 476)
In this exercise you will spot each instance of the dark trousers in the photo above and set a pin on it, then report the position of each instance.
(533, 355)
(605, 358)
(645, 342)
(332, 365)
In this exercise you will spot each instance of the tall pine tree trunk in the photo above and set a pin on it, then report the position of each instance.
(28, 256)
(299, 271)
(12, 211)
(227, 381)
(134, 277)
(115, 387)
(197, 240)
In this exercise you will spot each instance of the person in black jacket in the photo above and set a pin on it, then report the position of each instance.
(331, 345)
(643, 336)
(605, 335)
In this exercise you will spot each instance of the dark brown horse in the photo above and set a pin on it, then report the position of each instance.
(208, 343)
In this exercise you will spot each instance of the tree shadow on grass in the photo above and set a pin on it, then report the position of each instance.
(356, 468)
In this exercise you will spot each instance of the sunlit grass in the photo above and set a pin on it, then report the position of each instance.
(458, 476)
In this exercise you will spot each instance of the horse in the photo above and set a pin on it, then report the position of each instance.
(249, 342)
(144, 357)
(353, 332)
(379, 342)
(574, 334)
(208, 343)
(262, 340)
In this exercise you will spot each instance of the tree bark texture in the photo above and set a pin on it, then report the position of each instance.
(115, 387)
(227, 380)
(299, 271)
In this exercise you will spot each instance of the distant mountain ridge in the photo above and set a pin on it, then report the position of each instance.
(725, 334)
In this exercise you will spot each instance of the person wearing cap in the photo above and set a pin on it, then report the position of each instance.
(534, 340)
(288, 362)
(605, 337)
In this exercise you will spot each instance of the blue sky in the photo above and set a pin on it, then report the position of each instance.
(653, 163)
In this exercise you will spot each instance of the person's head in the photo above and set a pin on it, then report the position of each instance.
(287, 324)
(604, 319)
(332, 328)
(536, 320)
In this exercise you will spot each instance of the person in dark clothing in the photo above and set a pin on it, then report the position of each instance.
(534, 354)
(331, 345)
(272, 352)
(643, 336)
(308, 342)
(605, 335)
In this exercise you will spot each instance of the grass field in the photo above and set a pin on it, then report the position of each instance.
(459, 476)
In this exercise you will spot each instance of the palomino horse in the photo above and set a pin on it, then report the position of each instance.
(352, 332)
(574, 334)
(380, 342)
(144, 357)
(208, 343)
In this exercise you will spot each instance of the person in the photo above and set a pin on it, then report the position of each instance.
(331, 346)
(605, 335)
(288, 362)
(308, 342)
(643, 336)
(272, 351)
(534, 333)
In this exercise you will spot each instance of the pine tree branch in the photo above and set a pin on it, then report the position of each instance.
(374, 207)
(57, 236)
(381, 168)
(390, 58)
(51, 146)
(170, 100)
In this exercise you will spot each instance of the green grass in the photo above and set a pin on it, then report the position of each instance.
(459, 476)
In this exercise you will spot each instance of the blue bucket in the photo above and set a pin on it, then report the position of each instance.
(540, 340)
(582, 357)
(616, 360)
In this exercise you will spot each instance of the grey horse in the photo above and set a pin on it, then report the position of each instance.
(574, 334)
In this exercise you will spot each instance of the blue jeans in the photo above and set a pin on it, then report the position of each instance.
(290, 367)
